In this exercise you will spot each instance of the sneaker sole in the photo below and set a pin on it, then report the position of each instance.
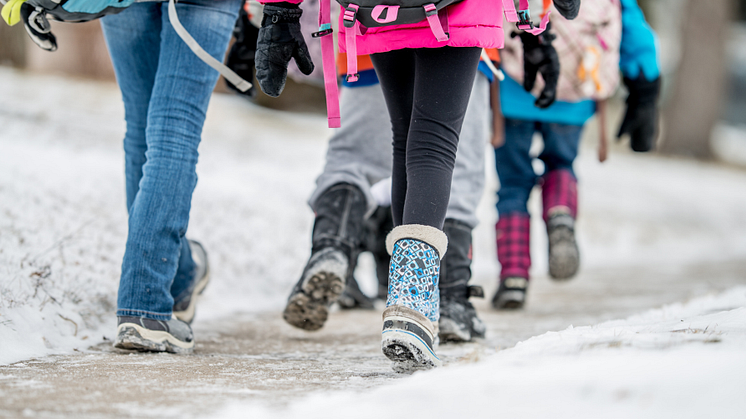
(309, 309)
(564, 256)
(187, 315)
(136, 337)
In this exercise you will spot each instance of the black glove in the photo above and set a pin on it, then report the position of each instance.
(568, 8)
(641, 119)
(38, 27)
(279, 40)
(539, 56)
(241, 55)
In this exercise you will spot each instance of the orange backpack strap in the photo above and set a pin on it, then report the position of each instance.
(547, 5)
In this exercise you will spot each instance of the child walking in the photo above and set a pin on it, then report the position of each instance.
(607, 35)
(426, 73)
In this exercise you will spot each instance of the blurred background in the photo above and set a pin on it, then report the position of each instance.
(703, 54)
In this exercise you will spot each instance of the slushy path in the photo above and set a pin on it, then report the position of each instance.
(260, 358)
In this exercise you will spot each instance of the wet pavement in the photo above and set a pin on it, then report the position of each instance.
(260, 358)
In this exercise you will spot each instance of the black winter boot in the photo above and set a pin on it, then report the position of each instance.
(377, 227)
(458, 318)
(337, 235)
(380, 224)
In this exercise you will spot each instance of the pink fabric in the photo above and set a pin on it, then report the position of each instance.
(351, 41)
(472, 23)
(391, 13)
(559, 193)
(331, 88)
(513, 233)
(434, 21)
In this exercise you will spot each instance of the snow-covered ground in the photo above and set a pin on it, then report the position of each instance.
(63, 227)
(680, 361)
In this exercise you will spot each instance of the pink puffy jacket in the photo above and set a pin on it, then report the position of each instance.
(471, 23)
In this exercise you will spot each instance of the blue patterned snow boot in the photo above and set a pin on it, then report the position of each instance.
(410, 321)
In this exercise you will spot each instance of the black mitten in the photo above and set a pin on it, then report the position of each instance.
(38, 27)
(540, 57)
(641, 118)
(279, 40)
(242, 53)
(568, 8)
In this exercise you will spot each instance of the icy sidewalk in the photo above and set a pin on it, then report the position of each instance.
(652, 231)
(681, 361)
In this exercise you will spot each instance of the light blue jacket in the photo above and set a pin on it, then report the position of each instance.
(638, 55)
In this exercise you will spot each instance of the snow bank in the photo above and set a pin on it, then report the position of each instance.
(680, 361)
(63, 221)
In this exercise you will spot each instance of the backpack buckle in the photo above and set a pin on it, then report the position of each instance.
(351, 78)
(524, 20)
(324, 30)
(350, 15)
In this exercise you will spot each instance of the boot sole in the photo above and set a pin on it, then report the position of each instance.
(450, 331)
(403, 341)
(564, 256)
(187, 315)
(309, 309)
(408, 352)
(135, 337)
(509, 300)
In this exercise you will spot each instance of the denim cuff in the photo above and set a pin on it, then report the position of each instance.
(146, 314)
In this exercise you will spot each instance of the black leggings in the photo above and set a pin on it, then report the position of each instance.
(426, 91)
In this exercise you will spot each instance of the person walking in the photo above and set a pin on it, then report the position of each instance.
(165, 89)
(427, 73)
(608, 35)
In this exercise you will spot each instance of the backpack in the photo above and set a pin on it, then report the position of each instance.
(38, 25)
(588, 49)
(358, 15)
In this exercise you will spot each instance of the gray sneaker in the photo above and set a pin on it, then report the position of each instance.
(184, 308)
(148, 335)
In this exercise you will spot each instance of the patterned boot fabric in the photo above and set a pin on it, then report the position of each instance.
(413, 278)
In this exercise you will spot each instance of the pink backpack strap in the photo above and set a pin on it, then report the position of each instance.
(330, 68)
(522, 17)
(434, 21)
(352, 28)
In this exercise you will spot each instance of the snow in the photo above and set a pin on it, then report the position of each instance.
(63, 228)
(63, 218)
(680, 361)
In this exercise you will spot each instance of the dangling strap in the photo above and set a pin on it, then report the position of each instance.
(432, 19)
(352, 27)
(229, 74)
(547, 5)
(327, 57)
(522, 17)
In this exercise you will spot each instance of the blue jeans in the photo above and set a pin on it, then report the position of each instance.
(514, 164)
(166, 90)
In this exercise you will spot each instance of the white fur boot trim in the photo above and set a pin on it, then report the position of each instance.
(430, 235)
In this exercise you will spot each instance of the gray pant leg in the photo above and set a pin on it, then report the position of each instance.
(359, 153)
(468, 174)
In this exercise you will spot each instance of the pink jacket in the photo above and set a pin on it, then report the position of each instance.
(471, 23)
